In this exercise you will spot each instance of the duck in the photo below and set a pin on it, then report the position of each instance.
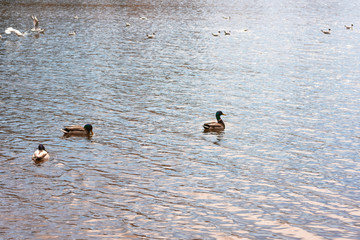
(72, 33)
(9, 30)
(217, 34)
(40, 154)
(36, 27)
(77, 130)
(150, 35)
(127, 24)
(215, 126)
(326, 32)
(349, 27)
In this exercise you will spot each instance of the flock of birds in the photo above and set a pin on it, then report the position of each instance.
(41, 155)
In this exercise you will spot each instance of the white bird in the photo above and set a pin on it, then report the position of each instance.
(36, 27)
(349, 27)
(76, 17)
(72, 33)
(9, 30)
(216, 34)
(150, 35)
(227, 32)
(326, 32)
(127, 24)
(40, 154)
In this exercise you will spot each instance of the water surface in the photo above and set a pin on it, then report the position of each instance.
(286, 167)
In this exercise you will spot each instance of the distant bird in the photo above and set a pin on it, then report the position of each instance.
(150, 35)
(72, 33)
(78, 131)
(228, 18)
(217, 34)
(326, 32)
(9, 30)
(127, 24)
(349, 27)
(40, 154)
(143, 18)
(76, 17)
(36, 27)
(227, 32)
(215, 126)
(245, 30)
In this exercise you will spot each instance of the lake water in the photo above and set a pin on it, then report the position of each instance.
(286, 166)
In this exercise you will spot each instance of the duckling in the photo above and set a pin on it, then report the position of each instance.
(40, 154)
(326, 32)
(78, 131)
(349, 27)
(215, 126)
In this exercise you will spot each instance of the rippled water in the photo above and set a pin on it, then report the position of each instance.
(286, 167)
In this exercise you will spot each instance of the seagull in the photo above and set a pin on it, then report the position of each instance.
(216, 34)
(227, 32)
(76, 17)
(72, 33)
(9, 30)
(36, 27)
(150, 35)
(349, 27)
(326, 32)
(127, 24)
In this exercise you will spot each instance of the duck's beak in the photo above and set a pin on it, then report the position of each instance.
(91, 133)
(224, 114)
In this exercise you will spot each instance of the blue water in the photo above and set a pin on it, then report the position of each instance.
(286, 166)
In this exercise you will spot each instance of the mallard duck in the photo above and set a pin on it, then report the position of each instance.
(349, 27)
(326, 32)
(215, 126)
(40, 154)
(76, 130)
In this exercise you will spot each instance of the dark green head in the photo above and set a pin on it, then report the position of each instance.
(88, 128)
(41, 147)
(218, 114)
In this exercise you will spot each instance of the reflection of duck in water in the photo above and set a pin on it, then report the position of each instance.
(78, 131)
(40, 154)
(215, 126)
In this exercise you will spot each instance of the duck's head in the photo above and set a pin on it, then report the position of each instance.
(218, 114)
(41, 147)
(88, 128)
